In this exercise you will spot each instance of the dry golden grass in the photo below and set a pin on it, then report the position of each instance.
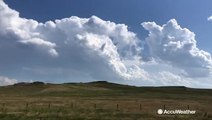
(104, 101)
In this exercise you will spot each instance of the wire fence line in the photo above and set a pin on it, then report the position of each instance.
(36, 106)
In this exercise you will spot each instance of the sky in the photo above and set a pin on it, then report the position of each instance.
(137, 42)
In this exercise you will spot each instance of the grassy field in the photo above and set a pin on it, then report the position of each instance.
(101, 101)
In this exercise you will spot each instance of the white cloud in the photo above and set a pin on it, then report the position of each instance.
(41, 44)
(177, 46)
(6, 81)
(209, 18)
(89, 46)
(168, 78)
(84, 49)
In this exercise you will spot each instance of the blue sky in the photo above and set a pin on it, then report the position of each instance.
(176, 35)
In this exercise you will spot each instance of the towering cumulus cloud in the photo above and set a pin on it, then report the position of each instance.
(177, 46)
(71, 47)
(85, 49)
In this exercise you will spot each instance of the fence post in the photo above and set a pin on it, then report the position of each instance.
(3, 107)
(140, 107)
(26, 109)
(72, 105)
(188, 107)
(205, 114)
(164, 107)
(95, 106)
(117, 107)
(49, 106)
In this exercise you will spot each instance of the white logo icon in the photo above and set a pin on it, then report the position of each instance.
(160, 111)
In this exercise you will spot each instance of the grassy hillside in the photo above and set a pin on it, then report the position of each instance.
(101, 100)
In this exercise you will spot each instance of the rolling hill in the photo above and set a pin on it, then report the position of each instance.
(101, 100)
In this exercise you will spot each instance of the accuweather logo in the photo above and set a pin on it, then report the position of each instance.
(174, 112)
